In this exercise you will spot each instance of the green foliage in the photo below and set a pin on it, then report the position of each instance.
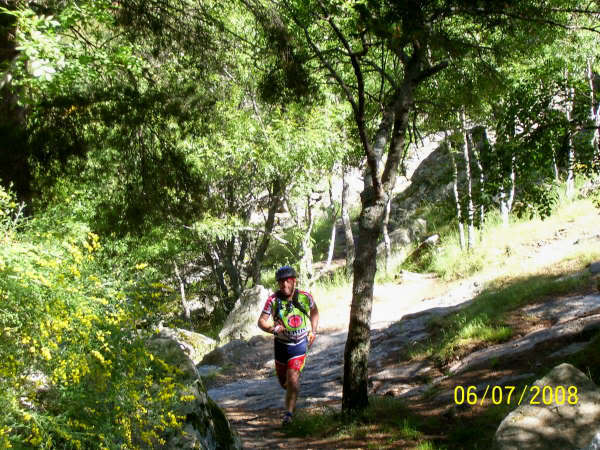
(75, 370)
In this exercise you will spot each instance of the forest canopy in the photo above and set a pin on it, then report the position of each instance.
(151, 150)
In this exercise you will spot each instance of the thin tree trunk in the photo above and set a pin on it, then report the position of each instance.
(459, 216)
(570, 149)
(333, 215)
(212, 257)
(275, 202)
(503, 206)
(470, 208)
(306, 263)
(594, 113)
(555, 166)
(477, 157)
(184, 304)
(349, 238)
(331, 243)
(386, 236)
(513, 183)
(373, 198)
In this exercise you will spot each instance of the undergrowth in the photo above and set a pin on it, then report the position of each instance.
(482, 321)
(386, 417)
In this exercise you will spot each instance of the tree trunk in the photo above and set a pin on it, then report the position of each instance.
(333, 215)
(477, 158)
(507, 199)
(386, 236)
(212, 257)
(504, 210)
(274, 203)
(459, 216)
(594, 113)
(184, 304)
(513, 182)
(570, 149)
(306, 263)
(358, 343)
(14, 154)
(349, 238)
(470, 207)
(373, 199)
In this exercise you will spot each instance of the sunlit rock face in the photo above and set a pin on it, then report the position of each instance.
(567, 419)
(206, 427)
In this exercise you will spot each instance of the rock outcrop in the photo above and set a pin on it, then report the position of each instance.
(241, 321)
(559, 421)
(206, 427)
(195, 345)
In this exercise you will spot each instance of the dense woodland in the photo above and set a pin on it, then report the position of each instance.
(147, 149)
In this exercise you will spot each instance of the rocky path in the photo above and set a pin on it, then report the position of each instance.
(321, 380)
(399, 319)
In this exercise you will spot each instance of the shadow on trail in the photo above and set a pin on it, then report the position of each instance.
(322, 377)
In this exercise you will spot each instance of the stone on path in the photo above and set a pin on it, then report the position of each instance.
(557, 425)
(241, 321)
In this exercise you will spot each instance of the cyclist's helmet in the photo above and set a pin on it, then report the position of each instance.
(285, 272)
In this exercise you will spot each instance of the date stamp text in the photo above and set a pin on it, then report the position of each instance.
(498, 395)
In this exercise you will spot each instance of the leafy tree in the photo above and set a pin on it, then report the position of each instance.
(378, 54)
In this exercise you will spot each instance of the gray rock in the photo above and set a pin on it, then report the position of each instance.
(595, 444)
(195, 345)
(558, 425)
(206, 427)
(594, 267)
(201, 307)
(569, 350)
(230, 353)
(207, 370)
(241, 321)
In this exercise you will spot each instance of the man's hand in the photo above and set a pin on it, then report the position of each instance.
(277, 329)
(311, 338)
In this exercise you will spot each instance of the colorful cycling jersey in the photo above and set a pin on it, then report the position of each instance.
(295, 321)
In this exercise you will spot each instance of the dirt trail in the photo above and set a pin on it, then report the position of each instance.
(253, 400)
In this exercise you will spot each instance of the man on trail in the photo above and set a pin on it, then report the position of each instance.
(292, 311)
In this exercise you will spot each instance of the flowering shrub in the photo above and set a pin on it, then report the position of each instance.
(75, 371)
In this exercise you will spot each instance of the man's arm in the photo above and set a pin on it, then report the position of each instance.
(263, 324)
(314, 323)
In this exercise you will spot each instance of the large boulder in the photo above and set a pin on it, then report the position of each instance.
(195, 345)
(556, 425)
(206, 427)
(241, 321)
(595, 444)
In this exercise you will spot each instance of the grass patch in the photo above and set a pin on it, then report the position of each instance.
(482, 322)
(386, 418)
(506, 249)
(389, 423)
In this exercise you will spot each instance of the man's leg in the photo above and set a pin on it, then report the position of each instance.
(292, 389)
(281, 370)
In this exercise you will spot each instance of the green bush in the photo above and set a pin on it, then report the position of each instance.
(74, 368)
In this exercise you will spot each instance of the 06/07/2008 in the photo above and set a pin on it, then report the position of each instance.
(547, 395)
